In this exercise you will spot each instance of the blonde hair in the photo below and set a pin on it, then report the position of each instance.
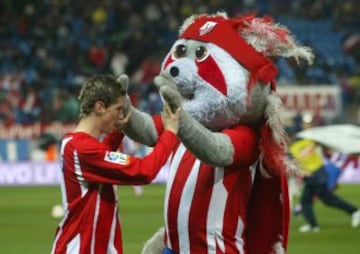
(105, 88)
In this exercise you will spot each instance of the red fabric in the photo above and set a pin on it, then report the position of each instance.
(201, 199)
(262, 207)
(210, 72)
(268, 215)
(224, 35)
(91, 223)
(274, 153)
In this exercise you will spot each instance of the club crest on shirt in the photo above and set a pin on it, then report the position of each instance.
(116, 157)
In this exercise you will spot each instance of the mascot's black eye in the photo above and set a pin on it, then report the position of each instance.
(201, 53)
(180, 51)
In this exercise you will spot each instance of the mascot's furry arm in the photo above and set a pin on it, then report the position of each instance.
(219, 148)
(140, 127)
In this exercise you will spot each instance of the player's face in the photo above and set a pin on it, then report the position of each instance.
(113, 113)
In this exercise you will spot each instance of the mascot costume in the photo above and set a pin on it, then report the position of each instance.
(227, 186)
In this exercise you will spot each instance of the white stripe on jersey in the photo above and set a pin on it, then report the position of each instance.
(74, 245)
(111, 248)
(184, 208)
(216, 212)
(239, 231)
(96, 217)
(79, 174)
(174, 165)
(62, 183)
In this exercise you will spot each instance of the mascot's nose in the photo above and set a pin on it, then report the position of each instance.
(174, 71)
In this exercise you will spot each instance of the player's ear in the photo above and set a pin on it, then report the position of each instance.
(99, 107)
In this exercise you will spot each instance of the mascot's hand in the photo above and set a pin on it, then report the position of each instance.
(171, 96)
(123, 80)
(164, 79)
(168, 91)
(137, 125)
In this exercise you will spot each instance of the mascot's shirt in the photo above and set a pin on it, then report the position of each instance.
(205, 206)
(90, 169)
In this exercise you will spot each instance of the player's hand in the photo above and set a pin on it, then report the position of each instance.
(170, 119)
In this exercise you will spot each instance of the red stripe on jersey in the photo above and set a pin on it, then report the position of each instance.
(237, 182)
(107, 202)
(182, 175)
(199, 209)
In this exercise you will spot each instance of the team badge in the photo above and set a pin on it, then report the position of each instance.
(207, 27)
(116, 157)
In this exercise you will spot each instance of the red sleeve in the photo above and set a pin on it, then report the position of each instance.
(101, 165)
(158, 124)
(113, 140)
(245, 142)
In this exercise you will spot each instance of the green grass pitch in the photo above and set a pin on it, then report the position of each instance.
(26, 225)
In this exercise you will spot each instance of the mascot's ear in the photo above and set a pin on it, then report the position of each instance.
(270, 38)
(171, 96)
(123, 80)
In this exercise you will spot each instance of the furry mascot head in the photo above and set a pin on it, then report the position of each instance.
(220, 72)
(222, 69)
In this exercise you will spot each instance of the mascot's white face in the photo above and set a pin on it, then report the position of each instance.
(213, 85)
(204, 64)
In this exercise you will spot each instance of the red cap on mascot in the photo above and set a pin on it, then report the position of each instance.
(224, 33)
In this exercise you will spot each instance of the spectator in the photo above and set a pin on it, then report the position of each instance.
(66, 107)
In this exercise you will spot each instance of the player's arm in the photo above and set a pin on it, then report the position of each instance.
(113, 140)
(105, 166)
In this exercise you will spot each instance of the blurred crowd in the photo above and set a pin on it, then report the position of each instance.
(48, 47)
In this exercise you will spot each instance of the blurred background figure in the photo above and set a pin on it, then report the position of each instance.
(318, 184)
(50, 145)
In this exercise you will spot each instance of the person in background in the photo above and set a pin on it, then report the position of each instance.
(66, 107)
(315, 183)
(91, 167)
(48, 143)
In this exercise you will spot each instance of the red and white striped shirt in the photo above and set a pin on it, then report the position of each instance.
(205, 206)
(90, 171)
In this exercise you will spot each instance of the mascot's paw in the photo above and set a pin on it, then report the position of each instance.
(171, 96)
(123, 79)
(164, 79)
(155, 245)
(168, 90)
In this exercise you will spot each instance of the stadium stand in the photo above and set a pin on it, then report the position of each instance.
(48, 47)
